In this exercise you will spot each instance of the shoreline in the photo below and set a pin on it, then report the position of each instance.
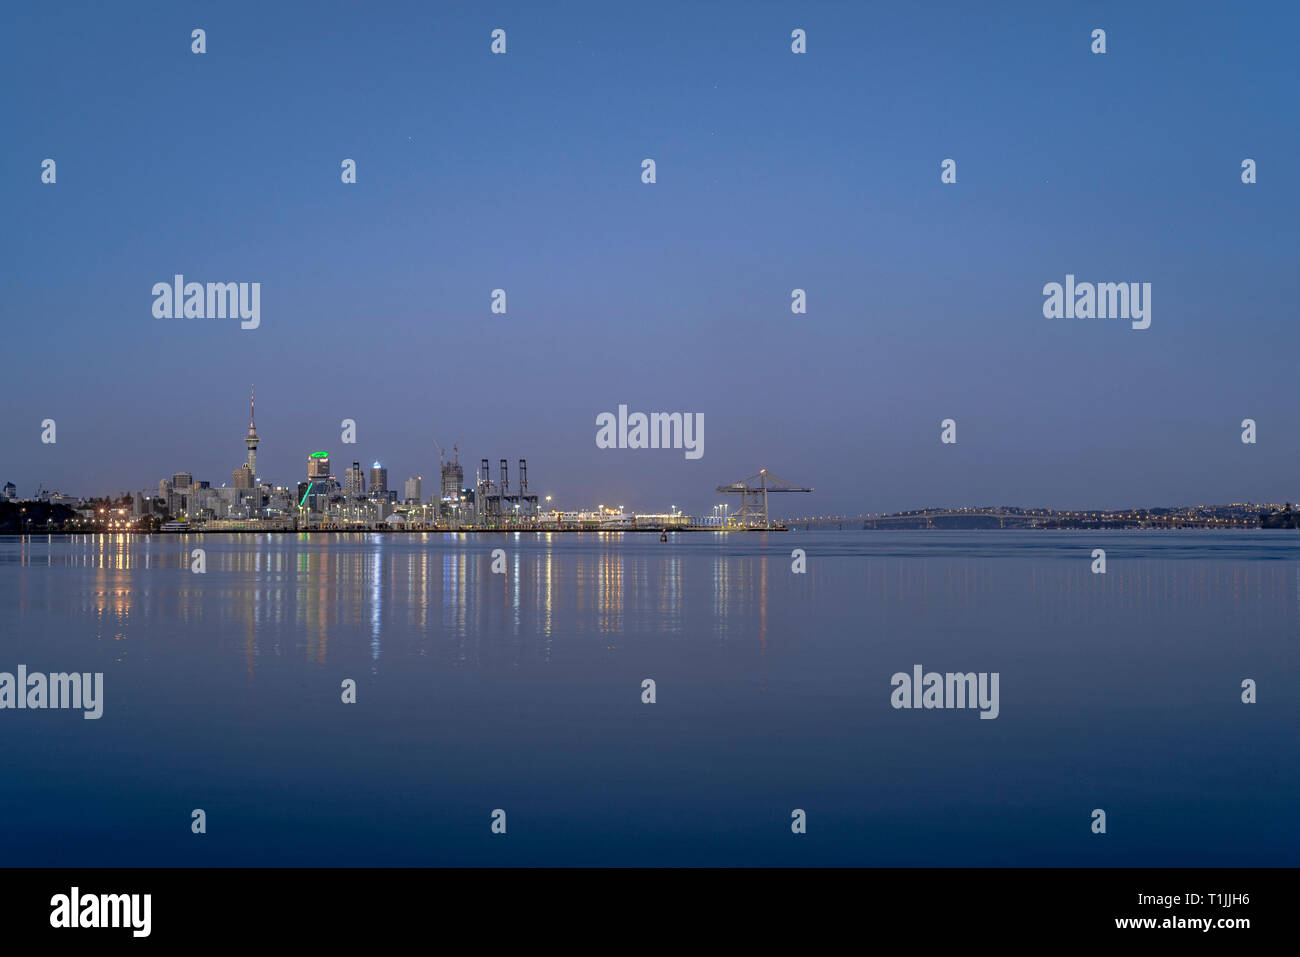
(609, 531)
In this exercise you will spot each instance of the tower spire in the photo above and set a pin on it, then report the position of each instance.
(250, 440)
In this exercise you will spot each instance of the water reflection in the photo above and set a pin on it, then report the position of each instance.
(390, 596)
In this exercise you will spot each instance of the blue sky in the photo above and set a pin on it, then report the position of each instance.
(775, 171)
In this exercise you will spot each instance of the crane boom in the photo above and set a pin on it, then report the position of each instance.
(753, 493)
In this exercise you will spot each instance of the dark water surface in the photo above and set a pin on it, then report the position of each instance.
(522, 691)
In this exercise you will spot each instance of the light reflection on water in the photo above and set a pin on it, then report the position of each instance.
(477, 688)
(321, 584)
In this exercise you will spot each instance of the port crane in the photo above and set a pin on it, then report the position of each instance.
(753, 493)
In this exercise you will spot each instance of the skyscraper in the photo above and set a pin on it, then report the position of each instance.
(318, 466)
(378, 481)
(453, 477)
(251, 440)
(413, 490)
(354, 481)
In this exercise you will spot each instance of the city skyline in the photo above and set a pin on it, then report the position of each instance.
(377, 472)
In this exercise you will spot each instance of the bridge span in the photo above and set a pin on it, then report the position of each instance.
(930, 518)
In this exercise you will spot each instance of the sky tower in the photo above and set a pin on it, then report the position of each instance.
(251, 441)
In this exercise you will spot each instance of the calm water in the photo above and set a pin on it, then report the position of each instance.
(523, 692)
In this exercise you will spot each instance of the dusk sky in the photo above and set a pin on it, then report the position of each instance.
(775, 171)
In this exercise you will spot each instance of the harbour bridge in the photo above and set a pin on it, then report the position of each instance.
(933, 518)
(954, 518)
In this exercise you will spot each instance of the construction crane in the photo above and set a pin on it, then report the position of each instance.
(442, 456)
(753, 497)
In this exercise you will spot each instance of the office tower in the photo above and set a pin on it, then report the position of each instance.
(242, 477)
(182, 481)
(354, 481)
(318, 466)
(378, 481)
(413, 490)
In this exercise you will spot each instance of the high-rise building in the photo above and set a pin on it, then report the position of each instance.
(378, 481)
(413, 490)
(318, 466)
(242, 477)
(164, 489)
(354, 481)
(453, 477)
(182, 481)
(251, 440)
